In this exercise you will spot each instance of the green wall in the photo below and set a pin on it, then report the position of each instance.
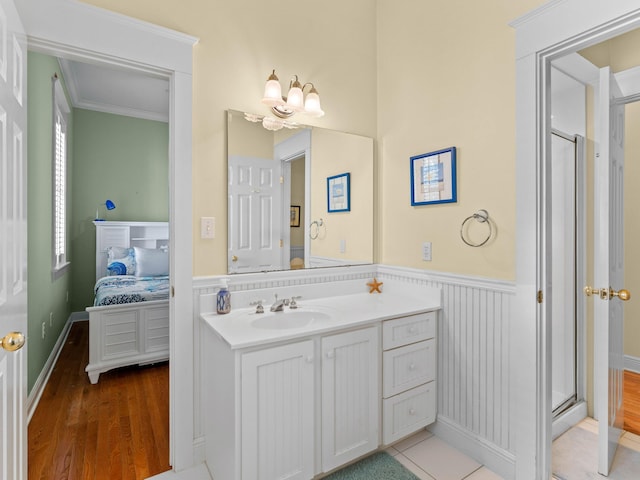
(119, 158)
(46, 295)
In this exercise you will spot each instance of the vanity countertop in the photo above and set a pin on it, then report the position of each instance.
(346, 311)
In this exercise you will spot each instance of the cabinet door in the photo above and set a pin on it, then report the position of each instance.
(277, 413)
(350, 396)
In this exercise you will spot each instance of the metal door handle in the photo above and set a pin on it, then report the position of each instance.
(603, 293)
(234, 258)
(13, 341)
(622, 294)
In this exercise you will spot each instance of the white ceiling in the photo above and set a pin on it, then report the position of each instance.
(118, 91)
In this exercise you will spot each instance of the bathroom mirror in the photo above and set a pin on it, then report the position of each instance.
(278, 191)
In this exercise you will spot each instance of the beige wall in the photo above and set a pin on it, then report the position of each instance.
(446, 77)
(334, 153)
(297, 198)
(331, 44)
(419, 76)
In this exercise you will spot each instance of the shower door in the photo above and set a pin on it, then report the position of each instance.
(564, 175)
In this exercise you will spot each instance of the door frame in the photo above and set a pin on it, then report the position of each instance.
(541, 36)
(83, 32)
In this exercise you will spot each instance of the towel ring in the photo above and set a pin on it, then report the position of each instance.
(481, 216)
(318, 224)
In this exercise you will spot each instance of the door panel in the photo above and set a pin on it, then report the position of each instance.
(13, 243)
(609, 269)
(254, 215)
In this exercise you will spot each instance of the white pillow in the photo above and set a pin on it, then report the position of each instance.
(151, 262)
(118, 252)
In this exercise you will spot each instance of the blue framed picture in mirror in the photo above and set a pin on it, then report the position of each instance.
(339, 193)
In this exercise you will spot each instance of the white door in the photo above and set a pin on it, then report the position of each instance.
(350, 396)
(13, 243)
(609, 269)
(278, 413)
(255, 196)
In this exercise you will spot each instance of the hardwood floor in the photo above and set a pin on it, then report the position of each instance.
(632, 402)
(116, 429)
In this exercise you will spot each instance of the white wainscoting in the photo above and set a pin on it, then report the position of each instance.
(473, 352)
(473, 364)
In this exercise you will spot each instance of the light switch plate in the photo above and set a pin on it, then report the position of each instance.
(343, 246)
(207, 227)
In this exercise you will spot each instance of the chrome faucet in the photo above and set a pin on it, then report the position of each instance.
(278, 305)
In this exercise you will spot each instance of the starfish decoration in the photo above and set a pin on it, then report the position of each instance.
(374, 286)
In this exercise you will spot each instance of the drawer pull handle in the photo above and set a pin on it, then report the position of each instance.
(329, 354)
(309, 359)
(413, 330)
(412, 411)
(412, 367)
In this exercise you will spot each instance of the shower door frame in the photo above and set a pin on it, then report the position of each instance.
(579, 275)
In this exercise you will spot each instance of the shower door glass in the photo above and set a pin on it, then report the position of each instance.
(563, 302)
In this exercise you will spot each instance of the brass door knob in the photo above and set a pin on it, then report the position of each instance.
(622, 294)
(234, 258)
(13, 341)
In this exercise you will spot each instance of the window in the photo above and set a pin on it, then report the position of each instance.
(60, 116)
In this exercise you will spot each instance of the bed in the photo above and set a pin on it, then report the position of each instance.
(129, 321)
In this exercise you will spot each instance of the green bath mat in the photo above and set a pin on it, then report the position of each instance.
(379, 466)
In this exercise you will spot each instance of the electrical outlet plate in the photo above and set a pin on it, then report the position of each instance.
(426, 251)
(44, 326)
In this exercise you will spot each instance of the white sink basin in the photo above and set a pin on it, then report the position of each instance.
(288, 319)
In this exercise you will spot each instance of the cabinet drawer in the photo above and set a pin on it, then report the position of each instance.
(408, 367)
(408, 412)
(401, 331)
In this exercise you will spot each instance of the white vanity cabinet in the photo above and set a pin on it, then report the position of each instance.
(408, 375)
(292, 410)
(350, 405)
(278, 412)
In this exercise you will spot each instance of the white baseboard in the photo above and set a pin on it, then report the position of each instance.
(632, 363)
(495, 459)
(36, 392)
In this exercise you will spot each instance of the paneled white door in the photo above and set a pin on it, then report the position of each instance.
(13, 243)
(609, 269)
(255, 197)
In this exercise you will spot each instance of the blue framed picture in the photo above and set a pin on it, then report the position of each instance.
(339, 193)
(433, 177)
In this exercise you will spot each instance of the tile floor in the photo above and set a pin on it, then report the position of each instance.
(578, 459)
(429, 458)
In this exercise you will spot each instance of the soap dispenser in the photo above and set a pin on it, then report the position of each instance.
(223, 299)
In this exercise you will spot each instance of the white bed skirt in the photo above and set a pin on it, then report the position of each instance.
(127, 334)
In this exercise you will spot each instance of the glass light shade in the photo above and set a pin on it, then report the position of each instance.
(312, 104)
(110, 205)
(295, 99)
(272, 91)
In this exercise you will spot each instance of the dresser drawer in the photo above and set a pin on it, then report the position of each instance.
(402, 331)
(407, 367)
(408, 412)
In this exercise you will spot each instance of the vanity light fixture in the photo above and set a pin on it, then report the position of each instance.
(296, 101)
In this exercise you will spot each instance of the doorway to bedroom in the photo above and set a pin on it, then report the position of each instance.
(118, 145)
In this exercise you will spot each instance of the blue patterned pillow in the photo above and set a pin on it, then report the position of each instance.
(122, 266)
